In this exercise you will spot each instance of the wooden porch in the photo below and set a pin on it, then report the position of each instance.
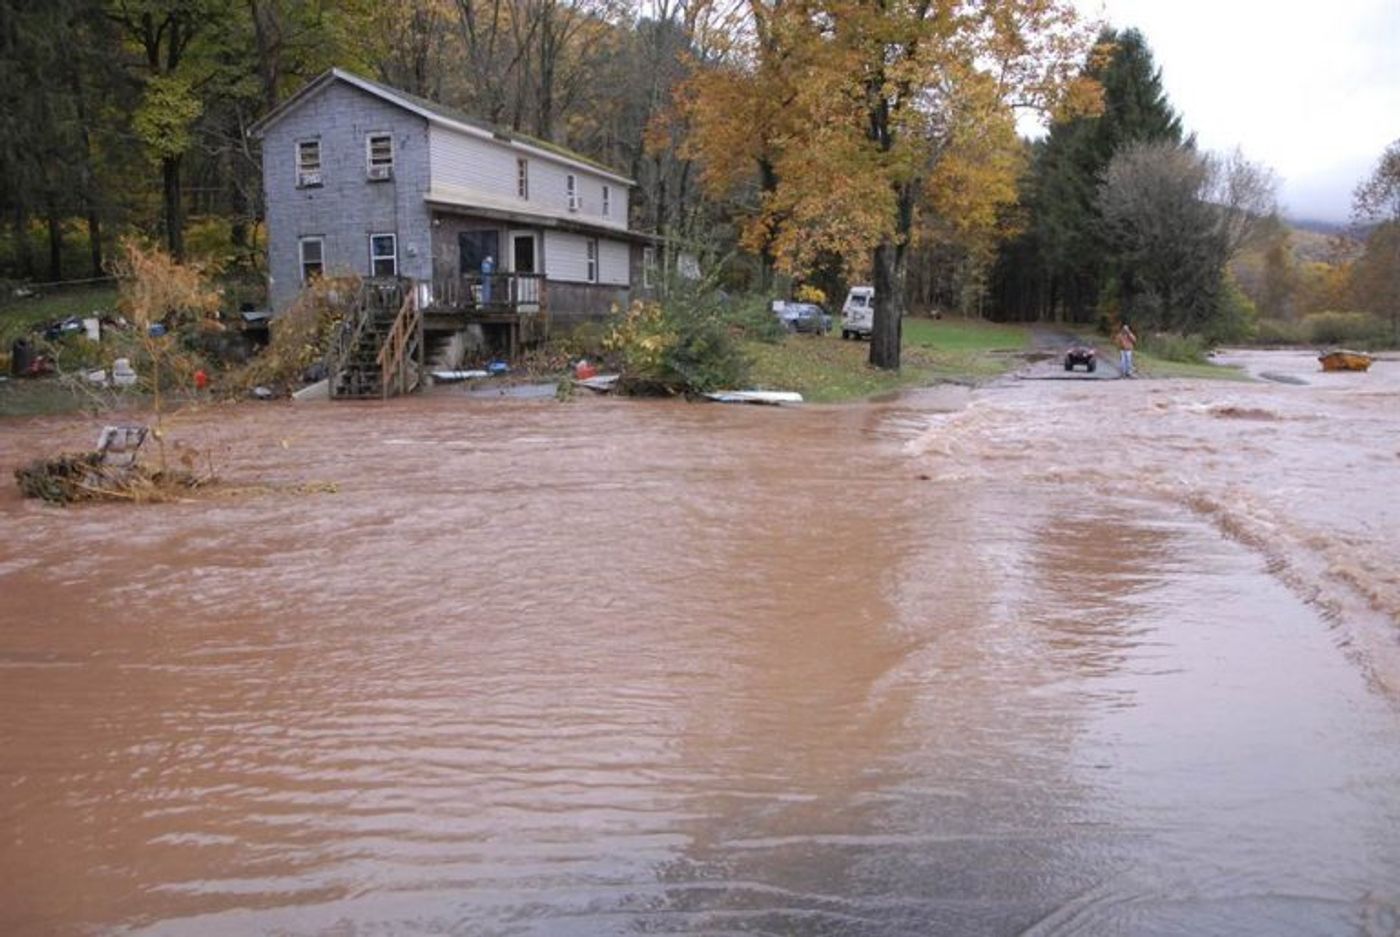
(516, 304)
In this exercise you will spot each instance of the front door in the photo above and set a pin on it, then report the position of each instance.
(525, 258)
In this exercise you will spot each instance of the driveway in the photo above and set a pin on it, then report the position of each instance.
(1046, 361)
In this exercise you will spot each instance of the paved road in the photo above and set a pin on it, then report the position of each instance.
(1047, 359)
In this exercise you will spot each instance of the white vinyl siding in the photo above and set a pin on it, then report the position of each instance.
(614, 263)
(471, 171)
(475, 167)
(566, 256)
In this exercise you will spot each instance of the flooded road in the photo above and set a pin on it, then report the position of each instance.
(1042, 658)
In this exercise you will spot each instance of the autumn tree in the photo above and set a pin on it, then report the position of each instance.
(1376, 275)
(863, 117)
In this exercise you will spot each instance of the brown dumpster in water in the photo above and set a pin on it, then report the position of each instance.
(1345, 361)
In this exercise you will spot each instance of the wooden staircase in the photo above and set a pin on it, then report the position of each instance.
(379, 349)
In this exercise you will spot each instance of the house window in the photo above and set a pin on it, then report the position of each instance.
(592, 260)
(308, 163)
(383, 255)
(648, 267)
(522, 178)
(379, 149)
(607, 201)
(571, 190)
(313, 258)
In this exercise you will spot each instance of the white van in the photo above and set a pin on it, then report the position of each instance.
(858, 313)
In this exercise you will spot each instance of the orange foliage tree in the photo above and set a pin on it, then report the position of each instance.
(869, 120)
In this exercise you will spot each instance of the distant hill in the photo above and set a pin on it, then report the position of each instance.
(1318, 227)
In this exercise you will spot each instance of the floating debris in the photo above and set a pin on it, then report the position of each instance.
(769, 397)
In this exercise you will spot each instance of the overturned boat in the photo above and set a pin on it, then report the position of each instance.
(1341, 360)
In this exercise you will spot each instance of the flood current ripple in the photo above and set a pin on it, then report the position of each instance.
(1088, 659)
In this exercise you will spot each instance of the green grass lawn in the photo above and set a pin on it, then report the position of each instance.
(1150, 366)
(825, 368)
(19, 316)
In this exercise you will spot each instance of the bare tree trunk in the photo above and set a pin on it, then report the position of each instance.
(267, 32)
(25, 253)
(94, 225)
(89, 185)
(55, 244)
(174, 210)
(887, 326)
(890, 282)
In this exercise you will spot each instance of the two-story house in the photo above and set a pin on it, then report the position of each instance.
(363, 178)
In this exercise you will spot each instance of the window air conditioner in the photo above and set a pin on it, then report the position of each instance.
(309, 178)
(381, 172)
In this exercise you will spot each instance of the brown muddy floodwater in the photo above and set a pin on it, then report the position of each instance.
(1046, 658)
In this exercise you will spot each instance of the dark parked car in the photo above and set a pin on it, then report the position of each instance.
(806, 317)
(1081, 354)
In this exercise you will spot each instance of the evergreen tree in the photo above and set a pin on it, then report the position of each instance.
(1057, 268)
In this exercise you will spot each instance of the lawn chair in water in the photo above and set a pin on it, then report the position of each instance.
(118, 444)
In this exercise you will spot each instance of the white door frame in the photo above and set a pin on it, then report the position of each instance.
(535, 238)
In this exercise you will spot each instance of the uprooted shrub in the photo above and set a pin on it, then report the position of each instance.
(84, 476)
(690, 343)
(165, 300)
(301, 337)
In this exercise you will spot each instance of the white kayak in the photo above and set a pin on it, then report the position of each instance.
(770, 397)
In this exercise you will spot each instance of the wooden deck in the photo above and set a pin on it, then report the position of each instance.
(517, 304)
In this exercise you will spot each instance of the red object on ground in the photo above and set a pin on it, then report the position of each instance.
(583, 371)
(201, 380)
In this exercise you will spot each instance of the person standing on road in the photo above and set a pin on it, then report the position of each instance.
(1126, 342)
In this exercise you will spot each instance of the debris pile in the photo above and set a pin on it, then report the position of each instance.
(108, 473)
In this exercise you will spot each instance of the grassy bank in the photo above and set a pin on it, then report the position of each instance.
(826, 369)
(19, 316)
(1151, 366)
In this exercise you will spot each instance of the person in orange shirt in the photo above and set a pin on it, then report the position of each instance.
(1126, 342)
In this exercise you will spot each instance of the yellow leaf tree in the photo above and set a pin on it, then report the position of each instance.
(870, 114)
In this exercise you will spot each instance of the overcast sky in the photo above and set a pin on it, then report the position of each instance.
(1310, 90)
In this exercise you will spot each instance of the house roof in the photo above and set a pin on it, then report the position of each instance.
(482, 208)
(434, 113)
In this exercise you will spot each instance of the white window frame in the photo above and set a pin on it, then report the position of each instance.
(607, 201)
(373, 257)
(648, 266)
(522, 178)
(320, 242)
(592, 253)
(370, 164)
(308, 175)
(571, 192)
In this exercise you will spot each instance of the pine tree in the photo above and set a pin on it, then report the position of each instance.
(1062, 253)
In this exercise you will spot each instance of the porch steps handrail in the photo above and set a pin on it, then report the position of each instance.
(405, 337)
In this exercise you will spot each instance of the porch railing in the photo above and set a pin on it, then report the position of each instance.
(402, 346)
(489, 293)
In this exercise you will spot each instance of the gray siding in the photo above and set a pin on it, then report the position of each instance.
(347, 208)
